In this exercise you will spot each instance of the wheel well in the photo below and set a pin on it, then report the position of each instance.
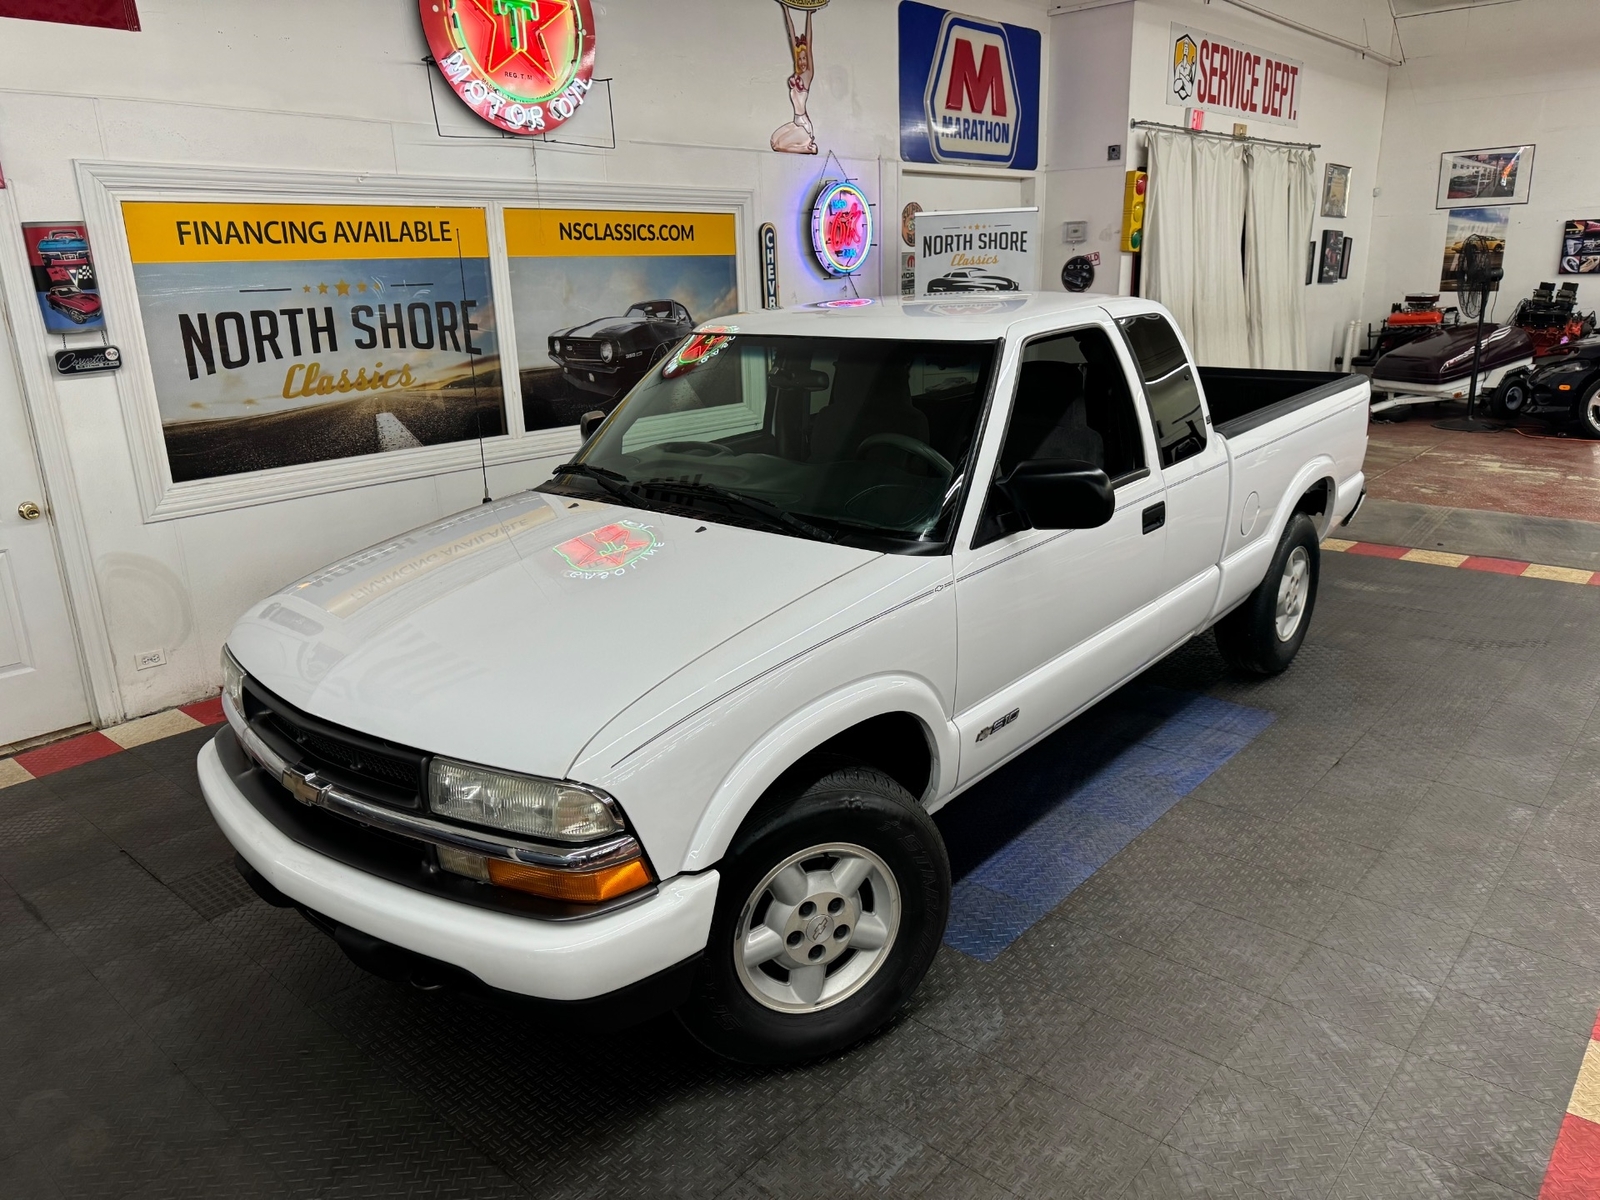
(1317, 500)
(895, 743)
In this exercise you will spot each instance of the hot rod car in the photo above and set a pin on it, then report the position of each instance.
(609, 355)
(1564, 384)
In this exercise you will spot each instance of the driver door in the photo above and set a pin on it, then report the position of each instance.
(1048, 620)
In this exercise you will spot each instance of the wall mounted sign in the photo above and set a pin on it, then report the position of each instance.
(525, 66)
(908, 224)
(63, 276)
(88, 361)
(282, 334)
(602, 295)
(841, 227)
(1077, 273)
(969, 89)
(1488, 223)
(769, 266)
(798, 135)
(1231, 77)
(1481, 178)
(1331, 256)
(1580, 248)
(1335, 191)
(977, 250)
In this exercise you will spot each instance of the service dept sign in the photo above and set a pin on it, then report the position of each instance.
(1227, 76)
(969, 89)
(979, 250)
(524, 66)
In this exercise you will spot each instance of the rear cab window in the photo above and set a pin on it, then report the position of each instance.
(1169, 386)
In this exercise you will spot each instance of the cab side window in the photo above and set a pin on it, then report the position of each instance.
(1169, 386)
(1073, 402)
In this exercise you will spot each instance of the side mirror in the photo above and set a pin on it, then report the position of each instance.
(1060, 493)
(589, 422)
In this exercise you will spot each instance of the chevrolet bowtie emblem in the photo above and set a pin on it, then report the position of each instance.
(305, 788)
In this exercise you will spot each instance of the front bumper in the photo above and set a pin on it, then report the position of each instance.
(552, 960)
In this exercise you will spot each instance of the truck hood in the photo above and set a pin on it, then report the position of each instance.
(510, 634)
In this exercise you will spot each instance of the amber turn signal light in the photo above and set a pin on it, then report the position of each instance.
(577, 887)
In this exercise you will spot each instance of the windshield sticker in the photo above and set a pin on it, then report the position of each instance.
(700, 348)
(609, 550)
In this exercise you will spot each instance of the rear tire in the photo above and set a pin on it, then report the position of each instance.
(1588, 412)
(1262, 636)
(832, 904)
(1510, 398)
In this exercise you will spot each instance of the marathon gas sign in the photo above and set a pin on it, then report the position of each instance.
(969, 89)
(1229, 77)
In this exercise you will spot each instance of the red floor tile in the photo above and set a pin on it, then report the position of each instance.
(1499, 566)
(1373, 550)
(207, 712)
(58, 756)
(1574, 1170)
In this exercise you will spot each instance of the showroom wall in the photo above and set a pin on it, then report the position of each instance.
(243, 99)
(1493, 76)
(1100, 54)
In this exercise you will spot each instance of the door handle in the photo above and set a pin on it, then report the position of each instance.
(29, 511)
(1155, 517)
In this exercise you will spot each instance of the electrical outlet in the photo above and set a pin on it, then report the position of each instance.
(149, 658)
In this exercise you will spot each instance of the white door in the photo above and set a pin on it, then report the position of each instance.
(41, 687)
(1050, 619)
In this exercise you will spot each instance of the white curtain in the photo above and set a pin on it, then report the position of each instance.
(1280, 209)
(1194, 222)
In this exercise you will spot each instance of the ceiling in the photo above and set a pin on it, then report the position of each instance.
(1417, 8)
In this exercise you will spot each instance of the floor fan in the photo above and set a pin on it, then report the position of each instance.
(1474, 273)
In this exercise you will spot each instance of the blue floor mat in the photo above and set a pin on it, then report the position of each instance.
(1025, 837)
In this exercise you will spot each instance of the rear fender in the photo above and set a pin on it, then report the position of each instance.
(802, 732)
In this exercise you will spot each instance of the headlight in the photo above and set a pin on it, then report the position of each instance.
(233, 681)
(540, 808)
(555, 345)
(607, 351)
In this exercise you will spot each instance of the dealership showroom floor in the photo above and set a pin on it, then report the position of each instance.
(1360, 958)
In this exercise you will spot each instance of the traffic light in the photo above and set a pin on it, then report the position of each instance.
(1133, 189)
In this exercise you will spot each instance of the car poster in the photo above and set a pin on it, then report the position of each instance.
(63, 276)
(977, 250)
(1489, 223)
(1580, 248)
(282, 334)
(601, 296)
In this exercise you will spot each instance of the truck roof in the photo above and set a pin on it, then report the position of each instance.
(974, 317)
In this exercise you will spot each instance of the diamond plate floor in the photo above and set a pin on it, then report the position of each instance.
(1360, 959)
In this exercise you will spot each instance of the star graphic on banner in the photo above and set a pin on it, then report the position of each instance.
(522, 29)
(306, 289)
(362, 286)
(342, 288)
(322, 289)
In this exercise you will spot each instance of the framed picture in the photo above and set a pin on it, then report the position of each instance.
(1335, 191)
(1483, 178)
(1344, 258)
(1580, 248)
(1487, 223)
(1332, 256)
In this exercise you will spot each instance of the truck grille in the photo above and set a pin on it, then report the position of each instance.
(384, 772)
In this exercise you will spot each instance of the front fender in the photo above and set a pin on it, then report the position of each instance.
(802, 732)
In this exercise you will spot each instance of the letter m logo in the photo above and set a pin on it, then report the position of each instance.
(971, 101)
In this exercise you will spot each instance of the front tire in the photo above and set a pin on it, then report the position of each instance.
(1589, 411)
(832, 905)
(1262, 635)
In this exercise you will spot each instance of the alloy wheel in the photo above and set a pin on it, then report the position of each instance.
(1294, 585)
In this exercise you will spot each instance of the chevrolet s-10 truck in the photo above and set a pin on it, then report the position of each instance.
(667, 731)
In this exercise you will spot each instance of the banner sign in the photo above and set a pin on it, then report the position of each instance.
(601, 296)
(63, 276)
(1227, 76)
(978, 250)
(969, 89)
(282, 334)
(524, 66)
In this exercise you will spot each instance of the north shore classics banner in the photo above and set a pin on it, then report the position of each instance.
(282, 334)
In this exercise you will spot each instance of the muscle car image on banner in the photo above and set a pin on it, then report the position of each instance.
(63, 276)
(282, 334)
(600, 297)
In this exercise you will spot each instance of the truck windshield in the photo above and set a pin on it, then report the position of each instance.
(857, 440)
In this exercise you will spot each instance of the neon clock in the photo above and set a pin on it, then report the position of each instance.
(524, 66)
(841, 227)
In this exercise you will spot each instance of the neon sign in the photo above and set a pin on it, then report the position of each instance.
(701, 347)
(525, 66)
(841, 227)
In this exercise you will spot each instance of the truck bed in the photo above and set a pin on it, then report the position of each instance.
(1241, 398)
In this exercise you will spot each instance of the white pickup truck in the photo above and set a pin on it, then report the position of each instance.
(667, 731)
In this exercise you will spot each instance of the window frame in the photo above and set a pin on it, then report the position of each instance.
(1145, 384)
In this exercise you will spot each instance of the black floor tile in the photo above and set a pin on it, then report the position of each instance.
(1326, 1065)
(1394, 938)
(1242, 952)
(866, 1157)
(1169, 1175)
(1503, 1047)
(1382, 1169)
(49, 844)
(1385, 1005)
(1007, 1016)
(107, 910)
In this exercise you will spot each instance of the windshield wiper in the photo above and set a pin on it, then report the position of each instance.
(761, 508)
(615, 482)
